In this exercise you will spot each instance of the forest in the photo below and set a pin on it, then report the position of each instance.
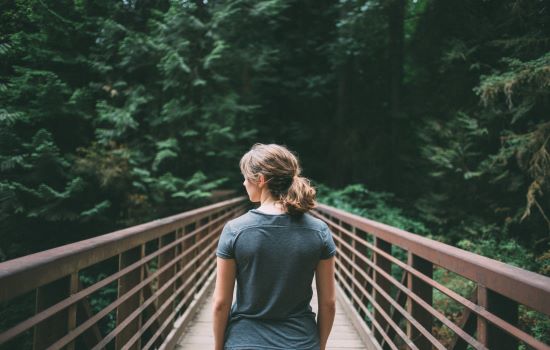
(428, 115)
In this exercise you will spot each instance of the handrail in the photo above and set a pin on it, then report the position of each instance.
(364, 266)
(163, 265)
(28, 272)
(524, 286)
(178, 248)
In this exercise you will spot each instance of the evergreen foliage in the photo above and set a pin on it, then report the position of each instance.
(113, 113)
(431, 116)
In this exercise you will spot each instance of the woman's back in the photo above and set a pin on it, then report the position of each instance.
(273, 258)
(276, 256)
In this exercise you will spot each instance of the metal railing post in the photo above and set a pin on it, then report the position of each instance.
(505, 308)
(72, 310)
(164, 259)
(425, 292)
(384, 284)
(125, 283)
(46, 333)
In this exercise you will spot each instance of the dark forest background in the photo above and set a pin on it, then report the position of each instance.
(428, 115)
(434, 113)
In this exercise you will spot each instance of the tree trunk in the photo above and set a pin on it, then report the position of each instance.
(396, 14)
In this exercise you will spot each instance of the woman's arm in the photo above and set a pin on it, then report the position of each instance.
(326, 298)
(223, 297)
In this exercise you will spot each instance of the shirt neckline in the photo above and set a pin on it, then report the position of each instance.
(267, 214)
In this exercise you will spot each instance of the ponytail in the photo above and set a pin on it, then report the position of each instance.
(282, 169)
(300, 196)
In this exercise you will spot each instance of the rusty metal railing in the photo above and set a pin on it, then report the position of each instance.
(163, 267)
(399, 311)
(159, 267)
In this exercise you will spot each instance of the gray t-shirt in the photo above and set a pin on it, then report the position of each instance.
(276, 257)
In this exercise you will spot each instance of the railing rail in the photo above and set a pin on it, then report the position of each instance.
(162, 268)
(400, 311)
(159, 267)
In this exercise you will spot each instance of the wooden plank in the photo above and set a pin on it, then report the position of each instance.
(182, 323)
(357, 321)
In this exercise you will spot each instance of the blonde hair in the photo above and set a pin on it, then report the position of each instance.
(281, 170)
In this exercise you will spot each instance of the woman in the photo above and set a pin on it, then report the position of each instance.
(273, 252)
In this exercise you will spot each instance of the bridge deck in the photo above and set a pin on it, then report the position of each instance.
(198, 333)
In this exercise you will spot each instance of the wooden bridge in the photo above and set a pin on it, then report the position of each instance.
(150, 287)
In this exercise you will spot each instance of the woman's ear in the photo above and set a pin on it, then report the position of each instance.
(261, 180)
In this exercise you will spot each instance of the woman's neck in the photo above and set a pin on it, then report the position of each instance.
(271, 207)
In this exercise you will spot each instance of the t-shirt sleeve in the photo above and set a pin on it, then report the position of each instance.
(225, 244)
(329, 248)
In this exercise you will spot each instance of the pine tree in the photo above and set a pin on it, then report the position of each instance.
(43, 53)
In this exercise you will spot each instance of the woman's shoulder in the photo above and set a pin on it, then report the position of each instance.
(251, 218)
(314, 222)
(241, 221)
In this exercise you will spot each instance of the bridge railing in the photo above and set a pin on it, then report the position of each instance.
(161, 266)
(387, 276)
(157, 269)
